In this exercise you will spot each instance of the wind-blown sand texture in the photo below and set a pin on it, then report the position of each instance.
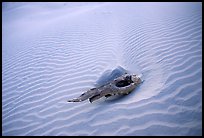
(53, 52)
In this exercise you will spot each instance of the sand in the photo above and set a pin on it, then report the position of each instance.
(52, 52)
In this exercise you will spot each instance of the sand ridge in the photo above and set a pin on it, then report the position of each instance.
(59, 58)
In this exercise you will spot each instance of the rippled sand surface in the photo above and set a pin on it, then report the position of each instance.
(52, 52)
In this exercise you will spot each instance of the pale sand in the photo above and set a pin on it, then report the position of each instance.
(55, 52)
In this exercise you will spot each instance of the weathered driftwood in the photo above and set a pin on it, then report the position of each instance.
(120, 86)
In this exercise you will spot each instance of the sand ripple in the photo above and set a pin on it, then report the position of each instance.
(64, 58)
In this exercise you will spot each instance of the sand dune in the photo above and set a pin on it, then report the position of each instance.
(59, 52)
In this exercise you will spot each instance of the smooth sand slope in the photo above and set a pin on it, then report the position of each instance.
(53, 52)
